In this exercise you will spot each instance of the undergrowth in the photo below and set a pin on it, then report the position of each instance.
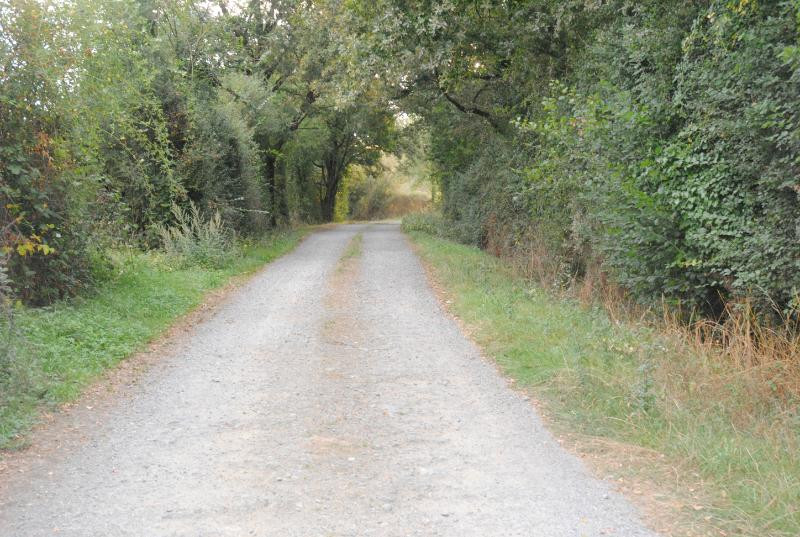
(661, 386)
(68, 344)
(195, 240)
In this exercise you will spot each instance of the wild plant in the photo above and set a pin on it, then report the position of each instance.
(195, 240)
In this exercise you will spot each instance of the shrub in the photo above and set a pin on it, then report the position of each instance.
(429, 222)
(666, 154)
(194, 240)
(42, 194)
(16, 378)
(370, 198)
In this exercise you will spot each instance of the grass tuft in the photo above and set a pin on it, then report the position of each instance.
(353, 249)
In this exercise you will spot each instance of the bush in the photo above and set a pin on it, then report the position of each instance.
(194, 240)
(42, 195)
(430, 223)
(665, 153)
(16, 378)
(370, 198)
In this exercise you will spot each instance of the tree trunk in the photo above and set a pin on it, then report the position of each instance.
(282, 202)
(328, 207)
(331, 175)
(269, 173)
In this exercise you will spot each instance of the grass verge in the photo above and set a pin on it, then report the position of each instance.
(726, 465)
(67, 345)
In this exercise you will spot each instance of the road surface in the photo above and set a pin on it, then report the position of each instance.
(325, 397)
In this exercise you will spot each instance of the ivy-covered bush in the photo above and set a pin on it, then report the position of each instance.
(665, 150)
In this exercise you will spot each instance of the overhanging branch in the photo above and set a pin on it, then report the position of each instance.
(472, 110)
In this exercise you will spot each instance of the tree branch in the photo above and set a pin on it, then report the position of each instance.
(472, 110)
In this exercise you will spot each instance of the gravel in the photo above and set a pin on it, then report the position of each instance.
(323, 398)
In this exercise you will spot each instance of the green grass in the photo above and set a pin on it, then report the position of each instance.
(69, 344)
(628, 383)
(353, 249)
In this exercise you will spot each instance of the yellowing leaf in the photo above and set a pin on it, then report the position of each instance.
(25, 248)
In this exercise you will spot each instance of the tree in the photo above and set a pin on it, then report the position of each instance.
(354, 135)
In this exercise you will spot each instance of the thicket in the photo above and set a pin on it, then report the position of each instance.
(654, 142)
(118, 116)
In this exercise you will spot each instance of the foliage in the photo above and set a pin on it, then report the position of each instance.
(112, 112)
(194, 240)
(354, 136)
(40, 204)
(730, 174)
(657, 140)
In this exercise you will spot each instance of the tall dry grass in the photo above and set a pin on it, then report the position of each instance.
(195, 240)
(756, 359)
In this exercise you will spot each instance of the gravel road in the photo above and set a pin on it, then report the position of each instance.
(325, 397)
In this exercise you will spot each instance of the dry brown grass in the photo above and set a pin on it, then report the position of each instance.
(761, 358)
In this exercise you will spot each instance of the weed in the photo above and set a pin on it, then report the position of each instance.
(194, 240)
(354, 247)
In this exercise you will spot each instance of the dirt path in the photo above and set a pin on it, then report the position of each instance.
(327, 397)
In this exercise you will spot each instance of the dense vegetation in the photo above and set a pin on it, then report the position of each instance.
(656, 141)
(117, 116)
